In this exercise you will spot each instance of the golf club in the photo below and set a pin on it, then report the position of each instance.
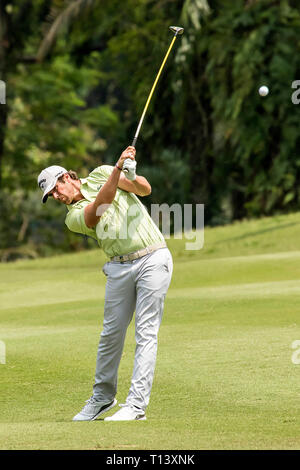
(177, 30)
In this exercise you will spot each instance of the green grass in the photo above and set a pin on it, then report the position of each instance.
(224, 377)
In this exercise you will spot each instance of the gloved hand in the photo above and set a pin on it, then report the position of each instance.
(130, 165)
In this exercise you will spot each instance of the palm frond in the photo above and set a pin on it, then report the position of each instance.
(193, 10)
(60, 21)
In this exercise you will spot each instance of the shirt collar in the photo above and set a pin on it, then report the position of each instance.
(83, 191)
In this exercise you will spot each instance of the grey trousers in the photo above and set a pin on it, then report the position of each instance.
(141, 286)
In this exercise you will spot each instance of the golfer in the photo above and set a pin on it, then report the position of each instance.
(105, 206)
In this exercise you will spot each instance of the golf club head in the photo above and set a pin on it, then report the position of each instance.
(177, 30)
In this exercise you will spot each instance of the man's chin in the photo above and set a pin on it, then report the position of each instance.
(65, 201)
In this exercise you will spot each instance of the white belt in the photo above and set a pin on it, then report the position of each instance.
(139, 253)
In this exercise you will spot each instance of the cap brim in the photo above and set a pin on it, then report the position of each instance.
(46, 192)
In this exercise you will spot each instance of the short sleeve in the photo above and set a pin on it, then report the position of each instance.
(106, 170)
(100, 174)
(75, 222)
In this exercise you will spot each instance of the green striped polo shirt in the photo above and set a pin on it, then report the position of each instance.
(124, 227)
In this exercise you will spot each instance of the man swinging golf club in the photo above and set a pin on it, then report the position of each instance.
(139, 272)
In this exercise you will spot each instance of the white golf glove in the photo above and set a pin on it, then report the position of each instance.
(130, 165)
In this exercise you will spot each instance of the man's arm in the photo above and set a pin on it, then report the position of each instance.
(106, 195)
(140, 186)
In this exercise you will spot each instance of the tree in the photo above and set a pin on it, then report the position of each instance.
(249, 44)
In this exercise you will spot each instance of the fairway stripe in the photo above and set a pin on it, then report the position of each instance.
(252, 290)
(21, 332)
(246, 258)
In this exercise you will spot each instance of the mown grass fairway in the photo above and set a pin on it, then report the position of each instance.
(224, 377)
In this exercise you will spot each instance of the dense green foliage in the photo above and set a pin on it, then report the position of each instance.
(77, 80)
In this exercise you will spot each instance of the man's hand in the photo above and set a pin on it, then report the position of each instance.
(129, 163)
(128, 153)
(130, 166)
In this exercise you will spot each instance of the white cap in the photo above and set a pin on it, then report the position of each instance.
(47, 179)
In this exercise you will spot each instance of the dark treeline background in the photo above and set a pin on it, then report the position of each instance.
(77, 76)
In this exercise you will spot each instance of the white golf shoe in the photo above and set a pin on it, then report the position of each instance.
(127, 413)
(93, 409)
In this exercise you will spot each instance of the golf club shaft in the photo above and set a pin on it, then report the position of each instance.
(177, 30)
(151, 92)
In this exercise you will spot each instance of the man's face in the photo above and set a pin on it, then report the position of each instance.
(63, 191)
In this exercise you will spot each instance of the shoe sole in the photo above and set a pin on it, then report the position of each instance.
(105, 410)
(142, 418)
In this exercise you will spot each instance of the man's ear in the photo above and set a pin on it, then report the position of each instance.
(66, 177)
